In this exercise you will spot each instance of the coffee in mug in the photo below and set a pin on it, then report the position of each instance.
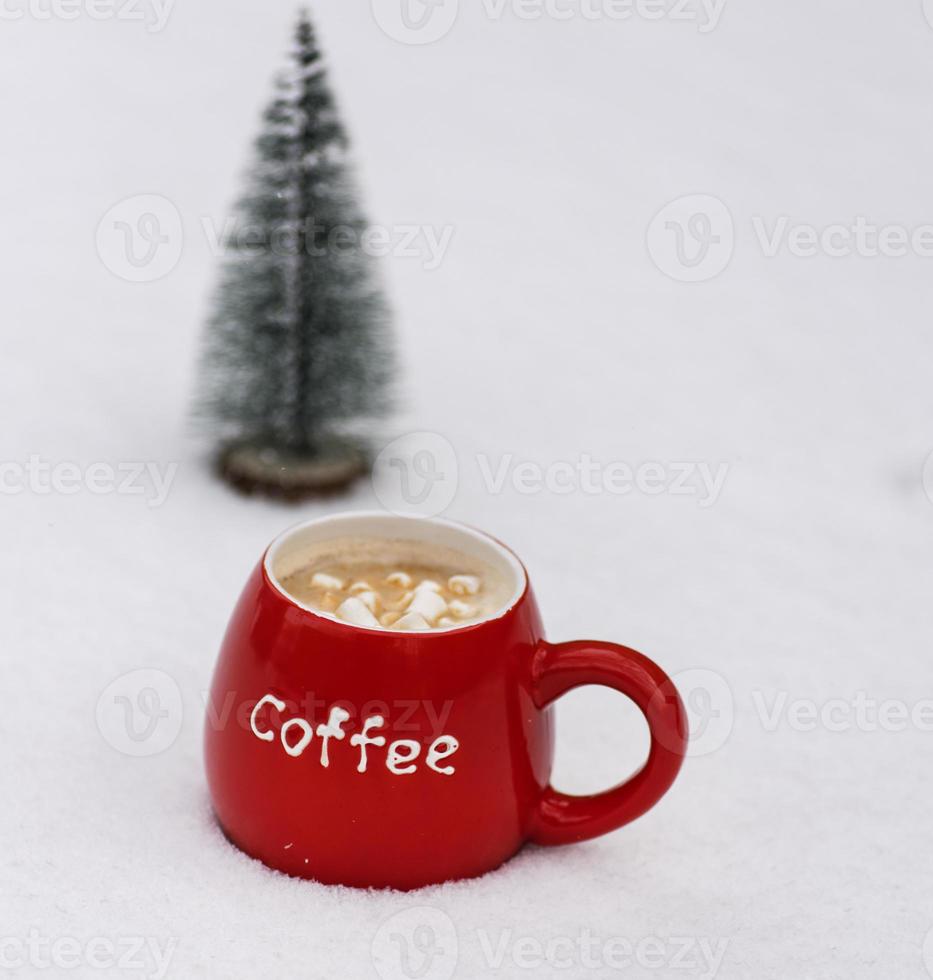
(399, 585)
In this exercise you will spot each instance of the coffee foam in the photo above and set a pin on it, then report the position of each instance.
(350, 550)
(396, 584)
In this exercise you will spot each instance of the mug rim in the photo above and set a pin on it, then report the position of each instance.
(516, 564)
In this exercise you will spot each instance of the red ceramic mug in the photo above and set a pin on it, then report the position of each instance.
(375, 758)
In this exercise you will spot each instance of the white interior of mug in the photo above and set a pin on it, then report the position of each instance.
(292, 550)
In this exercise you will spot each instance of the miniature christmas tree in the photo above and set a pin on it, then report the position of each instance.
(297, 359)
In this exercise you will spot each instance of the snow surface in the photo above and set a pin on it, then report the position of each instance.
(547, 333)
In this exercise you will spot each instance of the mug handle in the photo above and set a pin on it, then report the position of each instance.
(560, 667)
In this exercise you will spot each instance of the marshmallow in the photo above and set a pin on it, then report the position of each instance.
(354, 611)
(445, 622)
(371, 600)
(428, 604)
(428, 585)
(324, 581)
(387, 619)
(401, 579)
(461, 609)
(359, 587)
(463, 584)
(411, 621)
(402, 603)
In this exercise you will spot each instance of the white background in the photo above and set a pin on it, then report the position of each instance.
(548, 332)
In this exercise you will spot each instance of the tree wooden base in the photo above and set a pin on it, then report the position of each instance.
(290, 476)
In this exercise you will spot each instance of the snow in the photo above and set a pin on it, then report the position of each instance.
(546, 335)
